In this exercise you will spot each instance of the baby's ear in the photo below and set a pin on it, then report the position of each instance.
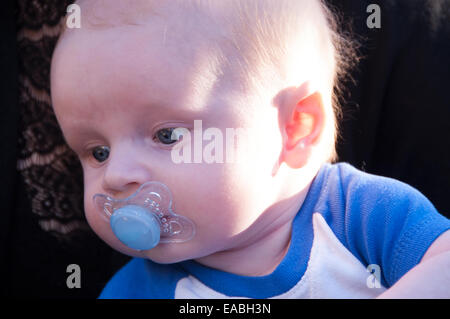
(303, 128)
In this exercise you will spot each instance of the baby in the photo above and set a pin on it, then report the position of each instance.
(278, 220)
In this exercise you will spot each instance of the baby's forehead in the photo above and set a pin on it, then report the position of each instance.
(248, 23)
(249, 37)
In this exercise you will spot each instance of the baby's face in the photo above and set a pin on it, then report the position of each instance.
(123, 89)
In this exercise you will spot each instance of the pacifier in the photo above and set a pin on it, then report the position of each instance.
(145, 218)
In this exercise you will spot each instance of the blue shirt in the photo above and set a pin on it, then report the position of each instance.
(354, 236)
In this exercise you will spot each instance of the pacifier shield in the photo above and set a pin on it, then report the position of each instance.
(144, 219)
(136, 227)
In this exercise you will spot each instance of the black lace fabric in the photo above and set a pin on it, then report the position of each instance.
(45, 229)
(50, 170)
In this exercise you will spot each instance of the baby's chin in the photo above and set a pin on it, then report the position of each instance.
(169, 253)
(163, 253)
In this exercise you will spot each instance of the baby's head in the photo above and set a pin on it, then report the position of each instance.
(136, 70)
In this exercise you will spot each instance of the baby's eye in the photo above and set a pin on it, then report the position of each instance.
(165, 135)
(101, 153)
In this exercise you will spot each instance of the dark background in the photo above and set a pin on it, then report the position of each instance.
(396, 123)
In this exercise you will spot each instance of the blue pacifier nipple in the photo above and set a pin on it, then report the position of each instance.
(144, 219)
(135, 227)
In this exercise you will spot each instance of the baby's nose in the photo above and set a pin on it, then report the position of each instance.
(124, 172)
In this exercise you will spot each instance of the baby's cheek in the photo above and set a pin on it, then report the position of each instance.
(97, 221)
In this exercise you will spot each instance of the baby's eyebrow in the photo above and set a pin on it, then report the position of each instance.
(180, 108)
(76, 135)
